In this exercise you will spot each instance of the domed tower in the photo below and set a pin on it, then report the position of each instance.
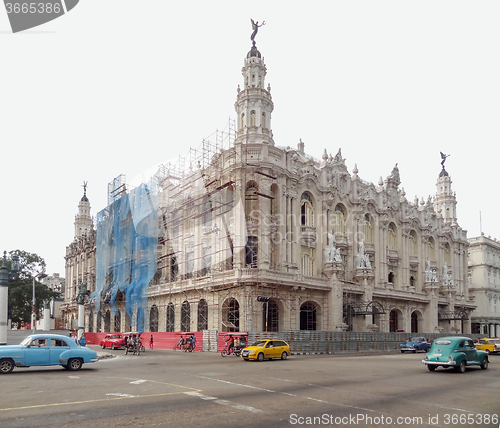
(445, 202)
(83, 220)
(254, 104)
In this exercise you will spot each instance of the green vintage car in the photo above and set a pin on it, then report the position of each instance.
(456, 352)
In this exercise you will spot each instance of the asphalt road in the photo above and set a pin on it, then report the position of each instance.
(166, 388)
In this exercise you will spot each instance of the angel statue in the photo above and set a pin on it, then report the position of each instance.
(255, 28)
(443, 157)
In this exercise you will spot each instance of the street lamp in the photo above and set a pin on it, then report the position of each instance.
(5, 278)
(33, 315)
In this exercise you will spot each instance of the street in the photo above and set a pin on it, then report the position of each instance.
(167, 388)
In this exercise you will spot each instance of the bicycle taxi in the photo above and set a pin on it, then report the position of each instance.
(133, 343)
(234, 343)
(186, 342)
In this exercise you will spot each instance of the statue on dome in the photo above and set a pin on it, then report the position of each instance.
(443, 157)
(255, 28)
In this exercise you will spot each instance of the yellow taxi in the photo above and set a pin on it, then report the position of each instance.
(266, 348)
(489, 345)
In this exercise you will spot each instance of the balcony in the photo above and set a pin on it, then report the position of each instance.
(308, 236)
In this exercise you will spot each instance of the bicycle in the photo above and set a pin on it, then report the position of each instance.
(233, 351)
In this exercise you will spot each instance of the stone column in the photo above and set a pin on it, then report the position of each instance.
(46, 315)
(82, 292)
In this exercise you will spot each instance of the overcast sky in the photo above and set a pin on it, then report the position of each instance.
(118, 86)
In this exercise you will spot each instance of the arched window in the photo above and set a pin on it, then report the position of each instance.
(153, 319)
(202, 315)
(306, 210)
(189, 263)
(242, 123)
(413, 243)
(447, 254)
(431, 249)
(99, 322)
(393, 239)
(264, 124)
(390, 277)
(185, 316)
(174, 268)
(339, 220)
(307, 261)
(170, 317)
(272, 316)
(252, 118)
(107, 322)
(251, 252)
(393, 321)
(414, 322)
(117, 321)
(231, 315)
(91, 323)
(368, 229)
(207, 211)
(308, 316)
(252, 204)
(348, 317)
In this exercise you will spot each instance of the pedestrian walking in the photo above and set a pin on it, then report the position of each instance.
(151, 342)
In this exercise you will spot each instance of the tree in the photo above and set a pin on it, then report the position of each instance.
(21, 290)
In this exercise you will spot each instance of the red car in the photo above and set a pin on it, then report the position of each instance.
(113, 341)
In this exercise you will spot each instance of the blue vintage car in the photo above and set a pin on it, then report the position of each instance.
(45, 350)
(456, 352)
(415, 344)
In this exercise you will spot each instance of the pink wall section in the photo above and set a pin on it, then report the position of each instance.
(162, 340)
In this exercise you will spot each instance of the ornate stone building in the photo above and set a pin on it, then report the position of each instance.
(80, 261)
(484, 285)
(329, 250)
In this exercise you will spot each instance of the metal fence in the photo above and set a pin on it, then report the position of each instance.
(329, 342)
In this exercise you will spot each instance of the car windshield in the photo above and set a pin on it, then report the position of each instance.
(259, 343)
(415, 339)
(442, 342)
(26, 341)
(115, 336)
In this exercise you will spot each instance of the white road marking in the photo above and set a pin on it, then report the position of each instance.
(137, 382)
(225, 402)
(117, 394)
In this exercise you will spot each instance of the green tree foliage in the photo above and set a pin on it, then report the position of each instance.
(21, 290)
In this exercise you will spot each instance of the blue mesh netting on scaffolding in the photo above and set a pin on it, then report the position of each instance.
(126, 252)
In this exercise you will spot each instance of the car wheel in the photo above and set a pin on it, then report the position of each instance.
(402, 352)
(74, 364)
(102, 346)
(431, 367)
(113, 346)
(488, 352)
(461, 367)
(484, 364)
(260, 357)
(284, 355)
(415, 351)
(6, 366)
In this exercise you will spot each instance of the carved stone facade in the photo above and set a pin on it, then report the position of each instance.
(80, 262)
(332, 251)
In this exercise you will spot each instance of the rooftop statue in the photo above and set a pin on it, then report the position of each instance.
(255, 28)
(443, 157)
